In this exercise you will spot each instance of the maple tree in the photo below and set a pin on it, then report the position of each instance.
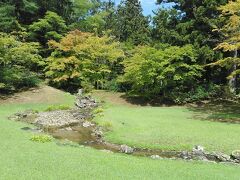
(81, 58)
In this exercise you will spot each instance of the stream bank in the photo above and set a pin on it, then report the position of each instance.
(75, 125)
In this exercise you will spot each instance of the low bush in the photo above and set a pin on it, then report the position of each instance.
(98, 111)
(202, 92)
(16, 78)
(107, 125)
(57, 107)
(113, 85)
(41, 138)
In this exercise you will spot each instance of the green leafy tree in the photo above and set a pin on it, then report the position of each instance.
(151, 72)
(82, 58)
(18, 60)
(64, 8)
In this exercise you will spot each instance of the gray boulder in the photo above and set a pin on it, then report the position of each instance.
(185, 155)
(126, 149)
(222, 157)
(198, 150)
(156, 157)
(236, 154)
(87, 124)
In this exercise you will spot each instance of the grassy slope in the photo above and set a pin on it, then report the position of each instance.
(167, 128)
(24, 159)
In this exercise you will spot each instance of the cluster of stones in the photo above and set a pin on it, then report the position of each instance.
(52, 119)
(61, 118)
(198, 153)
(85, 102)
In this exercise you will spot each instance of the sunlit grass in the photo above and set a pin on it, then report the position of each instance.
(174, 128)
(23, 159)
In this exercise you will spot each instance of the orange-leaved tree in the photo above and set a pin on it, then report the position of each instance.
(81, 59)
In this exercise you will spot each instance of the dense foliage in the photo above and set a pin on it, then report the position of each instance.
(231, 42)
(183, 53)
(18, 60)
(51, 27)
(82, 59)
(151, 72)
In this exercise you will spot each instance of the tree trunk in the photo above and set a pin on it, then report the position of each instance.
(233, 80)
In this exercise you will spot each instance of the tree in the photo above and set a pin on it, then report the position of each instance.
(82, 58)
(196, 20)
(131, 24)
(98, 17)
(50, 27)
(193, 24)
(64, 8)
(18, 60)
(231, 43)
(24, 10)
(8, 21)
(151, 72)
(164, 27)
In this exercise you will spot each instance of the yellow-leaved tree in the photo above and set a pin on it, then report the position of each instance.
(83, 59)
(231, 43)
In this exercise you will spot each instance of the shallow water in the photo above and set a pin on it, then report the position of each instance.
(84, 136)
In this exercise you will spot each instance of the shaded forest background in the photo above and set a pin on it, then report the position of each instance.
(183, 54)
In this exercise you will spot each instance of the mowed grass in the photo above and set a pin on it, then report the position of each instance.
(23, 159)
(171, 128)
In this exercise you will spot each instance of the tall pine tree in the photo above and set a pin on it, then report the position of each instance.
(132, 25)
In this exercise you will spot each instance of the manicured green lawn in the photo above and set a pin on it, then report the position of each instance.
(173, 128)
(24, 159)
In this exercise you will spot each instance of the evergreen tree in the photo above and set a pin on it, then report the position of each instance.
(131, 24)
(8, 21)
(196, 21)
(63, 8)
(164, 27)
(25, 10)
(51, 27)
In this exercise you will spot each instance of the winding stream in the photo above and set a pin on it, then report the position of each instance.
(85, 136)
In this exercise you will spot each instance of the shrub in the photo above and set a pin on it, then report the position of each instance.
(58, 107)
(107, 125)
(16, 78)
(198, 93)
(41, 138)
(98, 111)
(113, 85)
